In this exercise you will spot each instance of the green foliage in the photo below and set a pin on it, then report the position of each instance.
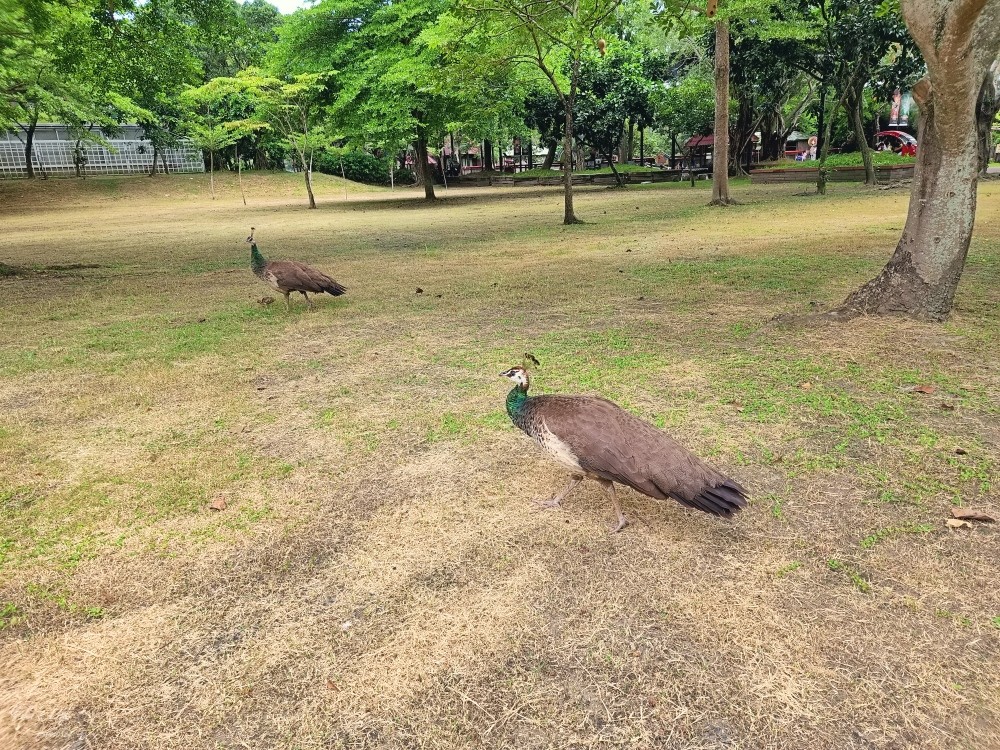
(687, 108)
(360, 166)
(613, 89)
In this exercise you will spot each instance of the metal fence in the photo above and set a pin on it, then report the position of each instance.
(55, 153)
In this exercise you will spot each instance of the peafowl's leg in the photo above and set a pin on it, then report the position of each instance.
(288, 304)
(609, 487)
(553, 502)
(308, 300)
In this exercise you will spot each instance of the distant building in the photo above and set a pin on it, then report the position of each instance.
(55, 154)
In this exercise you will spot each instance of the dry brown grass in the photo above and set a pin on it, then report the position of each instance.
(379, 578)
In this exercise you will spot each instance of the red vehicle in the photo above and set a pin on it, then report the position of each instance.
(897, 141)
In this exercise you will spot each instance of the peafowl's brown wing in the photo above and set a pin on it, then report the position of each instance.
(612, 444)
(292, 276)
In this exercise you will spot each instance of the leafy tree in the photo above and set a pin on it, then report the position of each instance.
(551, 36)
(389, 81)
(764, 19)
(291, 108)
(613, 89)
(544, 114)
(212, 137)
(242, 41)
(856, 43)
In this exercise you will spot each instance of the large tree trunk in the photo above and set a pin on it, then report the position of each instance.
(959, 41)
(986, 113)
(487, 156)
(424, 167)
(720, 151)
(854, 106)
(569, 217)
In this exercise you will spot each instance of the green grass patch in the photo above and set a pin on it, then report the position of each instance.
(882, 534)
(838, 566)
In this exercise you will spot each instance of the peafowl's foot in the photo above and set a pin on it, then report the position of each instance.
(549, 504)
(622, 523)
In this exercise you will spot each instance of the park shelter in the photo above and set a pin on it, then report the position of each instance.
(57, 150)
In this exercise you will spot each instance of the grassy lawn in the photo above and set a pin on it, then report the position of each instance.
(379, 576)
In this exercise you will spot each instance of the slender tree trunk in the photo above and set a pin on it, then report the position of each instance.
(550, 156)
(426, 176)
(211, 171)
(821, 118)
(824, 149)
(29, 146)
(307, 172)
(163, 161)
(720, 150)
(569, 217)
(618, 177)
(959, 41)
(156, 155)
(239, 173)
(854, 104)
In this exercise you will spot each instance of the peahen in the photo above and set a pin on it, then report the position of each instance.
(599, 440)
(289, 276)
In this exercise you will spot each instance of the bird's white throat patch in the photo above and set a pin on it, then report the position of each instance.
(557, 448)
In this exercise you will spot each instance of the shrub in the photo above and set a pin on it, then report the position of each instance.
(360, 167)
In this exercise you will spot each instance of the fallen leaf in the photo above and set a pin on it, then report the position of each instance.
(946, 405)
(806, 386)
(955, 523)
(924, 388)
(419, 290)
(970, 514)
(960, 451)
(331, 685)
(218, 504)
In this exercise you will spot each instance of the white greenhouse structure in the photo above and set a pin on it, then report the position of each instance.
(55, 147)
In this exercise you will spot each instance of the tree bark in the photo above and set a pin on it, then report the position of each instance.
(854, 105)
(426, 176)
(720, 149)
(959, 41)
(550, 157)
(29, 147)
(211, 171)
(163, 161)
(618, 177)
(307, 173)
(487, 156)
(824, 147)
(569, 217)
(156, 155)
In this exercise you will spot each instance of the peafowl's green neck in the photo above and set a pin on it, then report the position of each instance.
(516, 399)
(257, 261)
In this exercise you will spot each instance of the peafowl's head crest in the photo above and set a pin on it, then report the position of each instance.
(518, 376)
